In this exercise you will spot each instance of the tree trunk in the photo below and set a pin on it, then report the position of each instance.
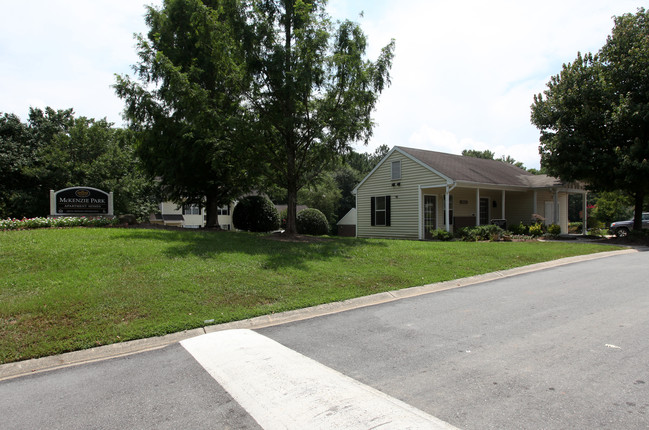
(211, 210)
(291, 200)
(637, 217)
(289, 113)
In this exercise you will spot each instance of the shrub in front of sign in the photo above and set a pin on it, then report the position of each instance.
(31, 223)
(255, 213)
(311, 221)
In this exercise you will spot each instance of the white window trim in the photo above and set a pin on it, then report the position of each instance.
(392, 175)
(377, 210)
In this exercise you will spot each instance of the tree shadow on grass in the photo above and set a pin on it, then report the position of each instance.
(277, 254)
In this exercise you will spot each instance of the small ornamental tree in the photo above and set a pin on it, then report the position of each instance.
(255, 213)
(312, 221)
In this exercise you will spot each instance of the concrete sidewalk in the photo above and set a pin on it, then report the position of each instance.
(22, 368)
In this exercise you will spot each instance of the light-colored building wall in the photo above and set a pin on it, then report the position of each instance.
(194, 220)
(408, 195)
(404, 198)
(519, 207)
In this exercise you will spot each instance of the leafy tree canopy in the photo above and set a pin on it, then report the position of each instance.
(489, 155)
(56, 150)
(188, 103)
(313, 91)
(594, 115)
(486, 154)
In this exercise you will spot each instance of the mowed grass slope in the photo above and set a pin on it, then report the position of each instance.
(70, 289)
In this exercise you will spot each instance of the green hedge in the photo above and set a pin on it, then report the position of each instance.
(30, 223)
(312, 221)
(255, 213)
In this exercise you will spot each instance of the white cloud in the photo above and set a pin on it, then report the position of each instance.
(464, 73)
(64, 54)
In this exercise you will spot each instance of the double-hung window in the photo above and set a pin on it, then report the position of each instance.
(224, 210)
(191, 210)
(380, 211)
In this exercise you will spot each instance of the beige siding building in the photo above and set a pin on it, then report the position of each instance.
(411, 192)
(190, 216)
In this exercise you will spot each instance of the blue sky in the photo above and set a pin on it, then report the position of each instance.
(464, 73)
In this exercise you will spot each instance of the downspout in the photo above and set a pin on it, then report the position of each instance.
(356, 206)
(447, 206)
(477, 206)
(556, 207)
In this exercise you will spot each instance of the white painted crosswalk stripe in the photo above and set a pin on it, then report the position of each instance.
(282, 389)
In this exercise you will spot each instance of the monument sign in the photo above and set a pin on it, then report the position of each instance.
(81, 201)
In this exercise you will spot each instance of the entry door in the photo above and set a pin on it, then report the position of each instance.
(484, 211)
(430, 215)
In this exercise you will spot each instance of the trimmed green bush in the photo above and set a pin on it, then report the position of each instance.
(520, 229)
(480, 232)
(312, 221)
(554, 230)
(575, 227)
(59, 222)
(536, 230)
(255, 213)
(441, 234)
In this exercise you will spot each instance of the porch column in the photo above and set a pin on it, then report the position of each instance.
(534, 205)
(503, 206)
(477, 206)
(584, 228)
(556, 207)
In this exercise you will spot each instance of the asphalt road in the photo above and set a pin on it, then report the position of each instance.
(562, 348)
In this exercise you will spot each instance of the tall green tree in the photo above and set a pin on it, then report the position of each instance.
(188, 105)
(313, 90)
(17, 148)
(56, 150)
(594, 115)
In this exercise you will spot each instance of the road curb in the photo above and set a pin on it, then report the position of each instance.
(37, 365)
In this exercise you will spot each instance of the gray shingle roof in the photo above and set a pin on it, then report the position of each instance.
(479, 170)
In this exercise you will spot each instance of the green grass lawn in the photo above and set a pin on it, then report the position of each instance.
(68, 289)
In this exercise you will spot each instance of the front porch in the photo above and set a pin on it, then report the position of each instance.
(454, 206)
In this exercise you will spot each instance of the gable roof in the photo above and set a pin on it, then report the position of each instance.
(459, 168)
(479, 170)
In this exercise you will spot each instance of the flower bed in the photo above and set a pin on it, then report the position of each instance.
(41, 222)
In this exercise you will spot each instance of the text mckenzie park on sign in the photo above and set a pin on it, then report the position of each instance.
(81, 201)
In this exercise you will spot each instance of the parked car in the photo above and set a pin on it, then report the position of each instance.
(622, 228)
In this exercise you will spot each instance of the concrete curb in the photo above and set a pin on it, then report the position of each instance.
(22, 368)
